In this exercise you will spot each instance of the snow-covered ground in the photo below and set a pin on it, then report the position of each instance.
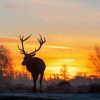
(44, 96)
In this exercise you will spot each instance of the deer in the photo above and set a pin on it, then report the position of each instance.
(36, 66)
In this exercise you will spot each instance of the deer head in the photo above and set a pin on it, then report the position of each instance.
(28, 56)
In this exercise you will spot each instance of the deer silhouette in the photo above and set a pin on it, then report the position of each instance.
(34, 65)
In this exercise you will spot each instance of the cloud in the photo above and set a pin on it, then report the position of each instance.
(50, 16)
(7, 40)
(54, 10)
(58, 47)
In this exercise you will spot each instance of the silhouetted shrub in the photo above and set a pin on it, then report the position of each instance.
(63, 84)
(95, 88)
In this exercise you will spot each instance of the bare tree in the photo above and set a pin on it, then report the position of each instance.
(95, 58)
(5, 66)
(5, 59)
(64, 72)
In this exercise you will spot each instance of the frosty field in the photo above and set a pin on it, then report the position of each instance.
(30, 96)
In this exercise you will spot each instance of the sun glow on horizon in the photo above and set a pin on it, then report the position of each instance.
(53, 55)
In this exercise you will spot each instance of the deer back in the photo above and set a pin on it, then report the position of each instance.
(36, 65)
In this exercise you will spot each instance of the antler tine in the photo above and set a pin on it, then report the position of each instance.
(21, 50)
(19, 47)
(41, 38)
(44, 40)
(35, 49)
(22, 39)
(27, 37)
(41, 42)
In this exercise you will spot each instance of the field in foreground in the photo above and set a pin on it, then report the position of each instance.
(30, 96)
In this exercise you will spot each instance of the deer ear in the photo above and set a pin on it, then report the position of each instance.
(33, 54)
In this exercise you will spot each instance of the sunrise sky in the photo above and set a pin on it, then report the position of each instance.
(71, 28)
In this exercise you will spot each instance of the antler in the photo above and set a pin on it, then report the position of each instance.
(41, 42)
(22, 39)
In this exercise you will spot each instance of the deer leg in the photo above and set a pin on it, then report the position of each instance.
(34, 81)
(41, 78)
